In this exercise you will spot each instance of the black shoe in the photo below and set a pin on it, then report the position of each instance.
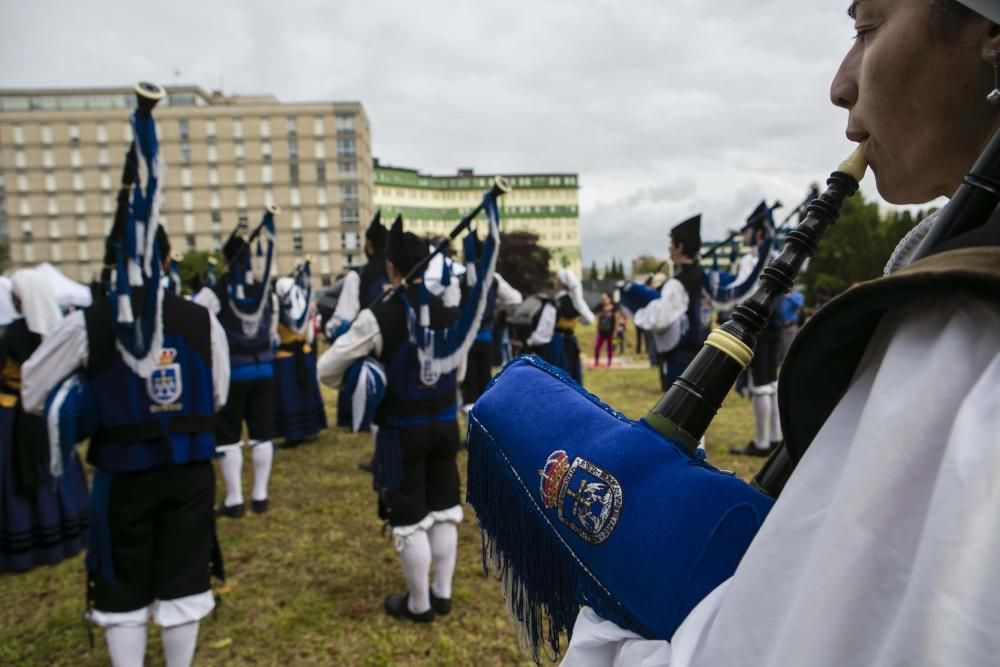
(231, 511)
(441, 606)
(367, 466)
(397, 606)
(258, 506)
(751, 450)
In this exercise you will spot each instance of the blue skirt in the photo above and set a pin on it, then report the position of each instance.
(563, 351)
(48, 527)
(298, 405)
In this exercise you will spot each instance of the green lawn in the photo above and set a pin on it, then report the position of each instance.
(306, 581)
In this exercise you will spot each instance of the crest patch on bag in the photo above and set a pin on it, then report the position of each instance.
(587, 498)
(164, 385)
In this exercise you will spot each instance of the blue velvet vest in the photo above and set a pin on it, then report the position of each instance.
(248, 345)
(166, 419)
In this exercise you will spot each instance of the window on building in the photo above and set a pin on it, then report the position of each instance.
(348, 215)
(265, 151)
(320, 171)
(103, 158)
(297, 241)
(350, 240)
(216, 220)
(55, 250)
(84, 252)
(46, 134)
(319, 150)
(266, 173)
(324, 243)
(292, 126)
(349, 260)
(105, 180)
(293, 149)
(189, 241)
(183, 129)
(50, 182)
(296, 220)
(348, 166)
(81, 228)
(213, 153)
(215, 201)
(318, 126)
(322, 220)
(48, 159)
(239, 152)
(54, 229)
(80, 205)
(349, 191)
(20, 160)
(102, 133)
(321, 196)
(78, 182)
(18, 133)
(345, 147)
(241, 198)
(293, 173)
(210, 129)
(186, 178)
(237, 128)
(345, 123)
(29, 252)
(52, 206)
(127, 131)
(26, 231)
(106, 204)
(265, 127)
(74, 134)
(75, 159)
(216, 242)
(22, 183)
(189, 223)
(213, 176)
(187, 200)
(241, 176)
(295, 197)
(324, 264)
(185, 154)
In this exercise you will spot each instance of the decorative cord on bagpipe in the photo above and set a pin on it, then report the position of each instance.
(137, 255)
(249, 307)
(175, 285)
(296, 297)
(210, 277)
(441, 351)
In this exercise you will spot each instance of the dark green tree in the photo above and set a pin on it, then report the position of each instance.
(856, 248)
(524, 263)
(194, 264)
(593, 271)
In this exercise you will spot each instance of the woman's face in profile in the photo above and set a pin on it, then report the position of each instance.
(915, 83)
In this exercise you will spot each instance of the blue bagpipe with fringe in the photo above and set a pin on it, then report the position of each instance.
(580, 505)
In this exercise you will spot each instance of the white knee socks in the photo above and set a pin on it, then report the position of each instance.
(262, 455)
(231, 465)
(126, 644)
(415, 555)
(762, 419)
(443, 538)
(179, 643)
(775, 419)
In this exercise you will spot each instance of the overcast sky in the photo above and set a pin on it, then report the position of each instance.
(664, 108)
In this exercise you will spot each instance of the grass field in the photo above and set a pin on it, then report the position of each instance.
(306, 581)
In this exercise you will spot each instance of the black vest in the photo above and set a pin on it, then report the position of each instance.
(689, 275)
(245, 347)
(373, 280)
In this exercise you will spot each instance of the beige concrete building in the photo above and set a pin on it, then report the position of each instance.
(62, 150)
(545, 204)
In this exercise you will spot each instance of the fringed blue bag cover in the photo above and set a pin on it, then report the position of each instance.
(579, 505)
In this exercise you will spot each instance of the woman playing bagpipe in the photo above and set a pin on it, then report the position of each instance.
(298, 409)
(416, 344)
(247, 309)
(42, 520)
(554, 336)
(882, 546)
(142, 373)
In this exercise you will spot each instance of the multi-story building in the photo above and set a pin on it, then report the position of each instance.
(545, 204)
(61, 155)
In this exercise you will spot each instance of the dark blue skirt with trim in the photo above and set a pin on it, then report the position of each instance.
(51, 525)
(298, 405)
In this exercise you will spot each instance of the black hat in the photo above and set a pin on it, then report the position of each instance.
(376, 232)
(163, 242)
(404, 249)
(760, 218)
(688, 233)
(234, 247)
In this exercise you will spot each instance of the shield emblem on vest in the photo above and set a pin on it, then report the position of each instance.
(165, 384)
(428, 374)
(250, 327)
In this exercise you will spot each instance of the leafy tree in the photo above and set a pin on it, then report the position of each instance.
(856, 248)
(524, 263)
(646, 264)
(593, 271)
(194, 264)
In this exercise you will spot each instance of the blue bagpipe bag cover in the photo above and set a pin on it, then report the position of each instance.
(579, 505)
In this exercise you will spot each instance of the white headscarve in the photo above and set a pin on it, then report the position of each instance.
(7, 311)
(291, 297)
(38, 303)
(575, 290)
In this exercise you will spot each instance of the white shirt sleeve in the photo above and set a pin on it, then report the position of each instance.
(362, 339)
(545, 328)
(506, 294)
(349, 301)
(220, 363)
(661, 313)
(207, 298)
(65, 350)
(451, 297)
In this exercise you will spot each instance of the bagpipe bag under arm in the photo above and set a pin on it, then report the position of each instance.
(579, 505)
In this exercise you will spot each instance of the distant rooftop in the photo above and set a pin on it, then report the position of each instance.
(465, 177)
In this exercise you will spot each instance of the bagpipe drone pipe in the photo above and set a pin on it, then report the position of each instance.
(439, 351)
(579, 505)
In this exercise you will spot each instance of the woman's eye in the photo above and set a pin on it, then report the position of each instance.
(862, 34)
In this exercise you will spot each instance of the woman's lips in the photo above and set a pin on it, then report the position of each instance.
(856, 136)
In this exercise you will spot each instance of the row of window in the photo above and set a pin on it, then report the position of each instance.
(343, 123)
